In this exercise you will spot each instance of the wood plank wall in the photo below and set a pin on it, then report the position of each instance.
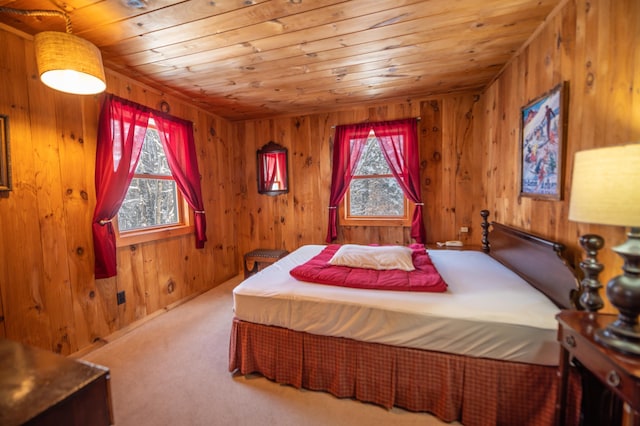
(290, 220)
(49, 297)
(595, 47)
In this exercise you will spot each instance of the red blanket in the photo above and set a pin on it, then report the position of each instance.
(425, 277)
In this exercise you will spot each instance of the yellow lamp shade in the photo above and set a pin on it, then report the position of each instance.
(605, 188)
(69, 64)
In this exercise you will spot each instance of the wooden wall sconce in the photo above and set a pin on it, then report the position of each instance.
(273, 174)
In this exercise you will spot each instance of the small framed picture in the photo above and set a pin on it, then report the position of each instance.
(542, 145)
(5, 158)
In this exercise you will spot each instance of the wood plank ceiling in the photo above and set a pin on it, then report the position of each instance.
(244, 59)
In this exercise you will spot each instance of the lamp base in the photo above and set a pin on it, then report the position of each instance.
(623, 335)
(620, 339)
(590, 299)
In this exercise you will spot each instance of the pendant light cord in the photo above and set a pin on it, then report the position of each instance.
(57, 13)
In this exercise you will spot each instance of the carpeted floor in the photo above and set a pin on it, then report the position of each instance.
(173, 370)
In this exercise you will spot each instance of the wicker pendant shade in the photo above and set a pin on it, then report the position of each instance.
(65, 62)
(69, 63)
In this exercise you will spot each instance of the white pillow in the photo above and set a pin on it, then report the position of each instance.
(373, 257)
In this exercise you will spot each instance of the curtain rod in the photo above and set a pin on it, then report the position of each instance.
(417, 118)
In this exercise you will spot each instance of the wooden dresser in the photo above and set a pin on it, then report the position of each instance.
(38, 387)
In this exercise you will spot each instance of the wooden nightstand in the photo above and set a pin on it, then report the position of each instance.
(259, 259)
(609, 377)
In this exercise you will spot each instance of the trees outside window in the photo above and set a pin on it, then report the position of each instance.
(153, 204)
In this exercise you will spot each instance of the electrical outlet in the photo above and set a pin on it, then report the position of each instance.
(121, 297)
(464, 229)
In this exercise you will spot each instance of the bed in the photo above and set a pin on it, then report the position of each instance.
(463, 354)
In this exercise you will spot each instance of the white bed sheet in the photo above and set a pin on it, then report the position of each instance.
(487, 310)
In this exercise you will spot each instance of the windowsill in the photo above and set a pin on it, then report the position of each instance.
(375, 222)
(146, 236)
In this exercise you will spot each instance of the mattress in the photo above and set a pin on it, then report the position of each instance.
(487, 311)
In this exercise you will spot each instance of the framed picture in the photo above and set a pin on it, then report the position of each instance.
(5, 159)
(542, 145)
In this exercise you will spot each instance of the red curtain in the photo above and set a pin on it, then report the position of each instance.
(348, 144)
(177, 140)
(121, 132)
(398, 140)
(399, 143)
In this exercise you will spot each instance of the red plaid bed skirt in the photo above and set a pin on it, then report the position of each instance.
(473, 391)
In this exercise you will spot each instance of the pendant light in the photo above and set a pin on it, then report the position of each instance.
(66, 62)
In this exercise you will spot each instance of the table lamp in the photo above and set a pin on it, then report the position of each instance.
(605, 190)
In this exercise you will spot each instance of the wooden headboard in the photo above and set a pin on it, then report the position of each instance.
(538, 261)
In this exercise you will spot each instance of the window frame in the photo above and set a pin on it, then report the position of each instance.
(185, 224)
(346, 219)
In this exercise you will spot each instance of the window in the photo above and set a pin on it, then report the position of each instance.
(374, 196)
(153, 207)
(398, 140)
(122, 131)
